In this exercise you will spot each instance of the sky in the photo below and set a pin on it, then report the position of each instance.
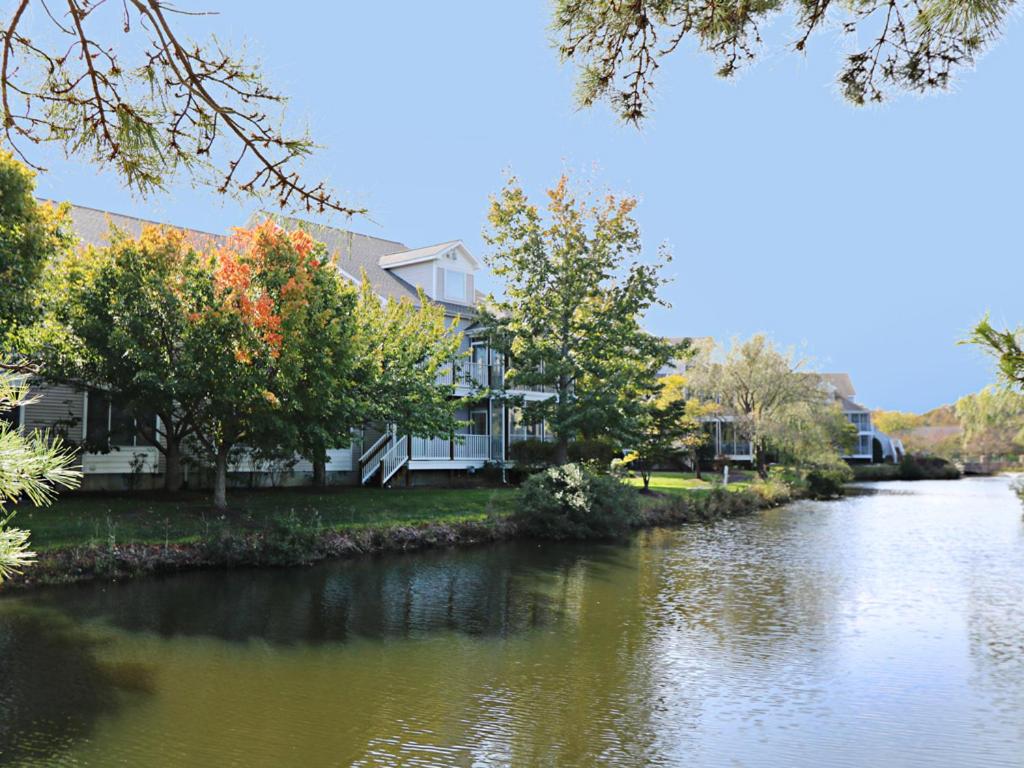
(868, 240)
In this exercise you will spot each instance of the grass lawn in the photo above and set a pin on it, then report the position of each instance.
(153, 518)
(681, 482)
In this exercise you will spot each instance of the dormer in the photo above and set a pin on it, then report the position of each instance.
(445, 271)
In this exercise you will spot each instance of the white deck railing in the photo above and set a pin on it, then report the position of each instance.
(394, 459)
(442, 449)
(472, 447)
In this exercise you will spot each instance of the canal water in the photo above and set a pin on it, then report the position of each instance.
(885, 629)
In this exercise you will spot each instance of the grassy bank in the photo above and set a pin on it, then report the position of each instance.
(88, 536)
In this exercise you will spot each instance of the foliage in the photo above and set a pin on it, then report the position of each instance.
(31, 234)
(574, 502)
(250, 339)
(992, 422)
(32, 467)
(402, 348)
(532, 455)
(828, 482)
(1018, 487)
(1006, 346)
(912, 467)
(617, 47)
(570, 319)
(774, 402)
(150, 103)
(599, 451)
(896, 422)
(668, 425)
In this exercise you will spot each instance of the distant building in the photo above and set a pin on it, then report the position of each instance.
(872, 446)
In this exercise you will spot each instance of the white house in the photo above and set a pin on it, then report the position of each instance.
(446, 273)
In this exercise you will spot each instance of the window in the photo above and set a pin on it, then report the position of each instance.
(454, 284)
(109, 424)
(520, 426)
(478, 419)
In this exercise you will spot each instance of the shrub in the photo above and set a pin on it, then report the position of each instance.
(827, 482)
(773, 491)
(575, 502)
(910, 468)
(599, 451)
(533, 454)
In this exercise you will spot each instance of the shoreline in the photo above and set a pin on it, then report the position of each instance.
(281, 547)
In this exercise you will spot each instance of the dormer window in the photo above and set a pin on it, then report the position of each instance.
(454, 285)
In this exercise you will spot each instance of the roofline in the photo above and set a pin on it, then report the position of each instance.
(131, 216)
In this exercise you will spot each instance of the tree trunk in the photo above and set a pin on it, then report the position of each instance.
(696, 466)
(172, 465)
(319, 467)
(761, 459)
(562, 451)
(220, 478)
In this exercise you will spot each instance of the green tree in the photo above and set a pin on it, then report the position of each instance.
(668, 426)
(570, 318)
(617, 47)
(768, 393)
(401, 348)
(992, 421)
(118, 85)
(30, 235)
(319, 370)
(123, 317)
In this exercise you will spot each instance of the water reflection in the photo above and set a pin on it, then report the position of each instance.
(53, 688)
(885, 629)
(490, 591)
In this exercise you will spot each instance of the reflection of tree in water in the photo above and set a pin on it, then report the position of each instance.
(490, 591)
(52, 687)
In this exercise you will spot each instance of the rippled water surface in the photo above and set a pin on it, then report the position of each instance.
(886, 629)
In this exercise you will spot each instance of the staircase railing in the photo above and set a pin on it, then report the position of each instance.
(395, 458)
(370, 460)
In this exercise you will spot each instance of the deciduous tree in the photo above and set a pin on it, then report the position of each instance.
(768, 392)
(576, 292)
(401, 349)
(30, 235)
(992, 421)
(667, 426)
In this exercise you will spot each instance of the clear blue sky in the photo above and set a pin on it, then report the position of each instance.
(871, 240)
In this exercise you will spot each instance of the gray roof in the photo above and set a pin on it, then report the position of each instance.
(358, 254)
(93, 226)
(841, 382)
(355, 253)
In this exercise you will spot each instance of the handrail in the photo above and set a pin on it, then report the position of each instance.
(376, 444)
(368, 466)
(394, 459)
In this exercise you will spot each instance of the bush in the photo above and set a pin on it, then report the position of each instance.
(828, 482)
(599, 451)
(773, 491)
(910, 468)
(575, 502)
(533, 454)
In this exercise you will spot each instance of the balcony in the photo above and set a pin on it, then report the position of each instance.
(463, 373)
(463, 447)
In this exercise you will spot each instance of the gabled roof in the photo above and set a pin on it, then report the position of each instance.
(841, 383)
(427, 253)
(93, 227)
(357, 254)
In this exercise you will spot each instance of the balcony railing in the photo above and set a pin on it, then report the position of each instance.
(442, 449)
(464, 373)
(519, 437)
